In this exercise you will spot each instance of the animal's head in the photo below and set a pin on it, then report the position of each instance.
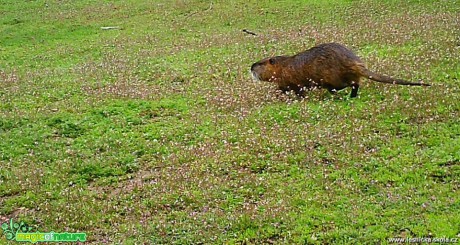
(269, 69)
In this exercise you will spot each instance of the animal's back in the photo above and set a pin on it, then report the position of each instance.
(328, 65)
(329, 53)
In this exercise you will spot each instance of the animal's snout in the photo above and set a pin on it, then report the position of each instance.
(253, 67)
(254, 73)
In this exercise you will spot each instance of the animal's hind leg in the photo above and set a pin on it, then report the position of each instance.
(354, 89)
(352, 80)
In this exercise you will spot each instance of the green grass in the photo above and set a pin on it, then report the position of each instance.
(156, 133)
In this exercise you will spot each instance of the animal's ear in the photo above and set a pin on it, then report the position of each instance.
(271, 61)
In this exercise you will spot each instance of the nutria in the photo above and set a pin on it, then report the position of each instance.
(331, 66)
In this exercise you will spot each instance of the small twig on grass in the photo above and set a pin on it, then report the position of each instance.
(210, 7)
(110, 28)
(204, 11)
(249, 32)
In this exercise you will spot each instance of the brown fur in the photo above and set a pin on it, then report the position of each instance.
(331, 66)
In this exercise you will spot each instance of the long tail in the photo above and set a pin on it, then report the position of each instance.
(384, 79)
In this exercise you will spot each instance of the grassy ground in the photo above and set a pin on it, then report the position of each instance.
(156, 133)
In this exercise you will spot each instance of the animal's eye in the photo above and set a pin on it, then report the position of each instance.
(271, 61)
